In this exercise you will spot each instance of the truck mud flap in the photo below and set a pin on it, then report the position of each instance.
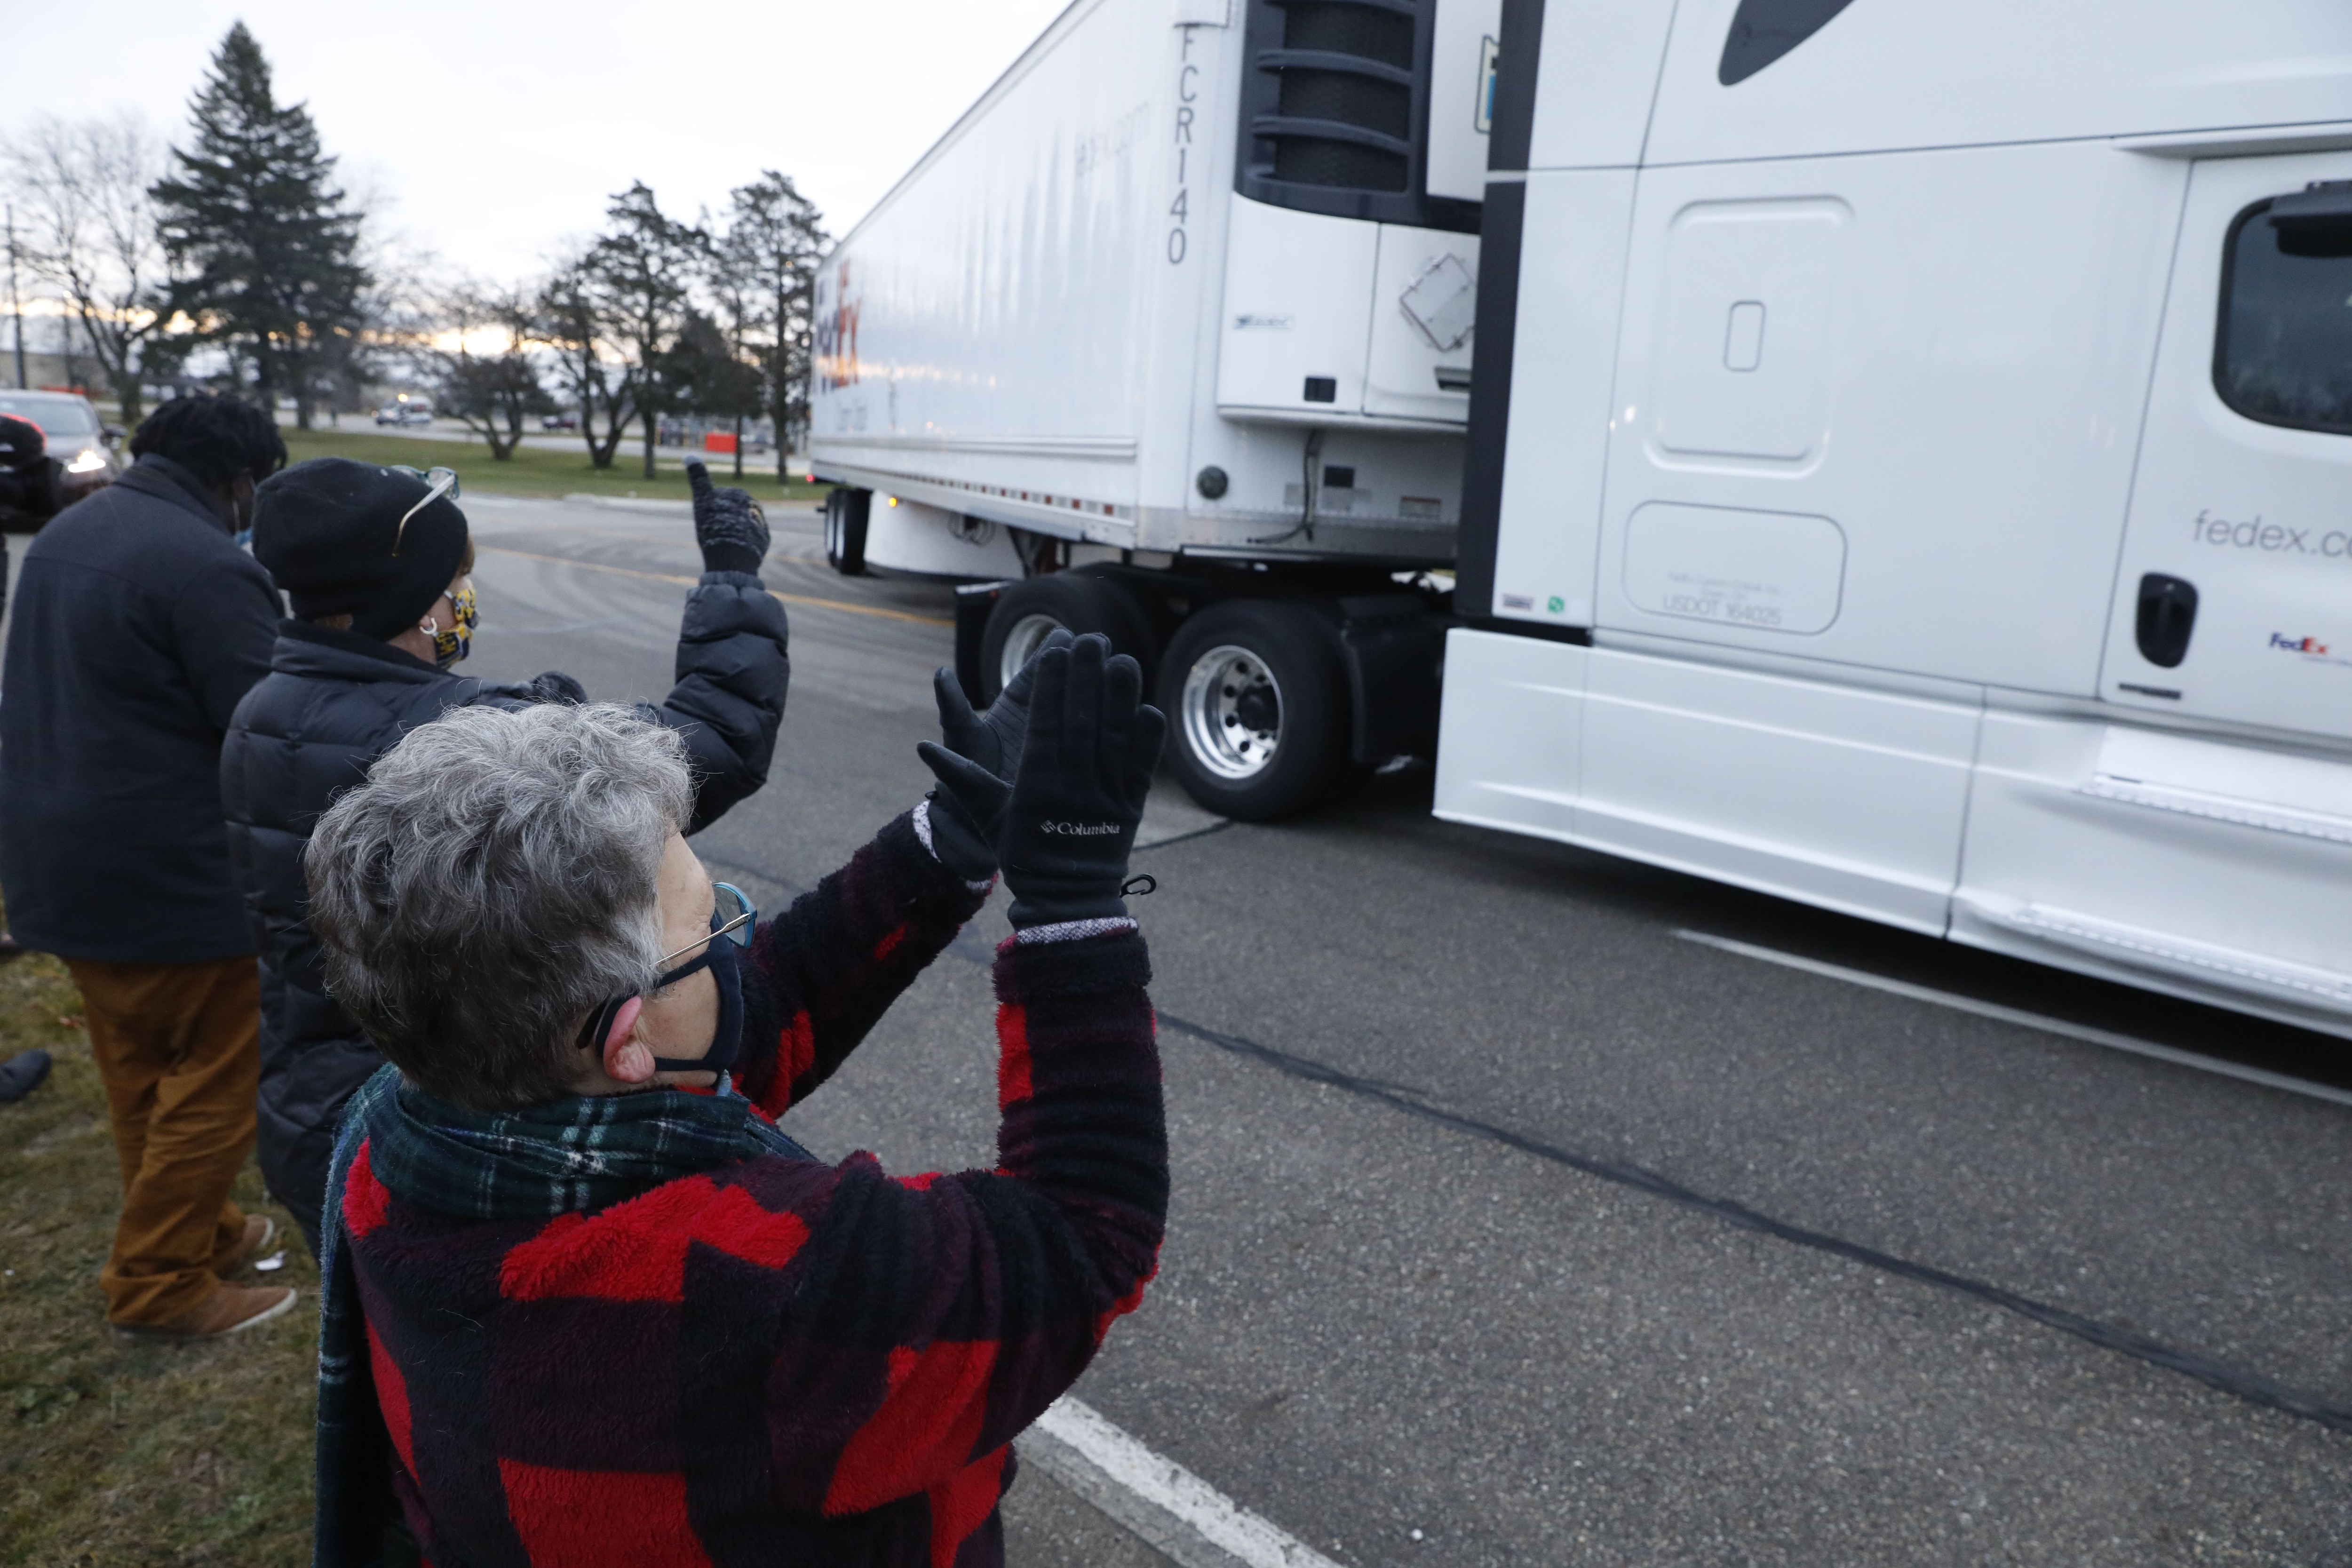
(1394, 647)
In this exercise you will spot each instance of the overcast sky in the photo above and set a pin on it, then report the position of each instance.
(489, 132)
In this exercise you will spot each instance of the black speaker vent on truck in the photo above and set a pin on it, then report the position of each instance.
(1335, 112)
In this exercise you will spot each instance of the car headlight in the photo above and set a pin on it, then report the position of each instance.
(89, 463)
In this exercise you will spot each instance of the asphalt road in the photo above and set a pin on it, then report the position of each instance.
(1449, 1109)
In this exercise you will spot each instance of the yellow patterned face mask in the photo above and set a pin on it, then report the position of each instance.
(455, 640)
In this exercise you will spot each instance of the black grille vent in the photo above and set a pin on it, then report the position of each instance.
(1334, 111)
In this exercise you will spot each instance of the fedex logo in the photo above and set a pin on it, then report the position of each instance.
(2297, 645)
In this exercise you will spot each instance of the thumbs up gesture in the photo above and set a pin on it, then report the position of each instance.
(728, 525)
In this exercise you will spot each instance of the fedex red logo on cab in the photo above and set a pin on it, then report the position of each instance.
(2297, 645)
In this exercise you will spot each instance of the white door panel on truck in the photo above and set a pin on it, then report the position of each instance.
(1945, 355)
(1424, 298)
(1331, 320)
(1298, 305)
(2247, 465)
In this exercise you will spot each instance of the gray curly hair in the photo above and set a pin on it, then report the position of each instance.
(491, 882)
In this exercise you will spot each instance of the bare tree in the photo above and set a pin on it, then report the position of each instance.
(573, 328)
(493, 384)
(736, 287)
(641, 272)
(83, 185)
(774, 239)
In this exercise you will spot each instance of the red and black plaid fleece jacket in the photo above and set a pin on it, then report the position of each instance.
(781, 1360)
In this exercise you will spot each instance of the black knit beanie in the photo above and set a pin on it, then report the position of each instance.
(325, 529)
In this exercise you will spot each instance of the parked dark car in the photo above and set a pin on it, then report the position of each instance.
(82, 443)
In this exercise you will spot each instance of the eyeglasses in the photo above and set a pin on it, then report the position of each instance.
(438, 482)
(731, 913)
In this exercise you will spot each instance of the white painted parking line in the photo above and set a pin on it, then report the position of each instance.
(1174, 1512)
(2030, 1020)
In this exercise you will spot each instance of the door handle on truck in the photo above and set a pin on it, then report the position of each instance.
(2167, 611)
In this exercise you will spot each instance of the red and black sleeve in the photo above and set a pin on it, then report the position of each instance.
(935, 1317)
(825, 971)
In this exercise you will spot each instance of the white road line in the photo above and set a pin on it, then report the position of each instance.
(1174, 1511)
(2029, 1020)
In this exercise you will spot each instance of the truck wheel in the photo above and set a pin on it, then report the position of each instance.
(846, 512)
(1029, 611)
(1256, 702)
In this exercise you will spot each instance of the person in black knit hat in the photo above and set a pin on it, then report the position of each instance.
(376, 563)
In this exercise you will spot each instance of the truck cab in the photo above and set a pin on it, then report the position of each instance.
(1903, 466)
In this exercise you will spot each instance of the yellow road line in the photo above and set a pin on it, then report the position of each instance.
(853, 607)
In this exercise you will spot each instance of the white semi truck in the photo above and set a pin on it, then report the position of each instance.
(1907, 466)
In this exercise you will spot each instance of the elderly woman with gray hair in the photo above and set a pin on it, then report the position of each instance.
(585, 1303)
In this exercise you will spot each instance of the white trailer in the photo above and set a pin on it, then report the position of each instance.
(1911, 471)
(1905, 471)
(1172, 330)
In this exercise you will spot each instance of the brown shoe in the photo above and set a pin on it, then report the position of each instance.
(259, 1230)
(224, 1312)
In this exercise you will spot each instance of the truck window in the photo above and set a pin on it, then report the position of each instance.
(2282, 349)
(1764, 30)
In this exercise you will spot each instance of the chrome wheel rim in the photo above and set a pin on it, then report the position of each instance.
(1020, 642)
(1233, 712)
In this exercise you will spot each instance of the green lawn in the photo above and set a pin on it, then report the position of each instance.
(114, 1452)
(534, 472)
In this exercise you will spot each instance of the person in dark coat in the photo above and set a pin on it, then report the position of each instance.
(378, 564)
(32, 491)
(138, 625)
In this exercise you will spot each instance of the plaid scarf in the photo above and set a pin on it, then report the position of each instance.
(569, 1156)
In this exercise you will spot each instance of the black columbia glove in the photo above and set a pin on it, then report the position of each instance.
(964, 825)
(992, 739)
(967, 812)
(728, 525)
(1079, 795)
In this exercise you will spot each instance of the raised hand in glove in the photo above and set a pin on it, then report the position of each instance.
(728, 525)
(992, 739)
(967, 814)
(1079, 795)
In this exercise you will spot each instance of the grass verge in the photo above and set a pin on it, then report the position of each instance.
(113, 1452)
(535, 471)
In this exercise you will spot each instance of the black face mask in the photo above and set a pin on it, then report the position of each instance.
(718, 956)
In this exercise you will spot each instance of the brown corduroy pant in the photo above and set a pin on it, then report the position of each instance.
(179, 1045)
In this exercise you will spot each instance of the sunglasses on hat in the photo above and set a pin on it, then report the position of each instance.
(438, 482)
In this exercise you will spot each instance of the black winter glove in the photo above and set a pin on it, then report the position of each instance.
(1079, 795)
(728, 525)
(967, 812)
(554, 686)
(992, 739)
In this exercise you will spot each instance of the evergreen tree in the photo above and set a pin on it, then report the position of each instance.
(264, 246)
(774, 239)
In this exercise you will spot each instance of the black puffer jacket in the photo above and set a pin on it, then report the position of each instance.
(333, 702)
